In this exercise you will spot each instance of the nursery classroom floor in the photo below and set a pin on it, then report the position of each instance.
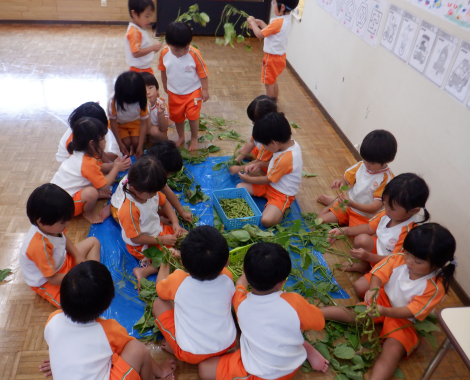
(48, 70)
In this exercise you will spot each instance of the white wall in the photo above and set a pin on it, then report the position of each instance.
(364, 89)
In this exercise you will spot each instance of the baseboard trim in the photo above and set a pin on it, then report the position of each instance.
(64, 22)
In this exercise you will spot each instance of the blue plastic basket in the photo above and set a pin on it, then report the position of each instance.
(233, 224)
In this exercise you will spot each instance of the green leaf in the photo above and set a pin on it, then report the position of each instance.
(426, 326)
(353, 375)
(213, 148)
(209, 137)
(398, 373)
(218, 166)
(218, 41)
(204, 17)
(248, 48)
(340, 376)
(306, 367)
(296, 226)
(345, 187)
(323, 350)
(241, 235)
(431, 338)
(342, 351)
(240, 38)
(4, 273)
(357, 360)
(305, 174)
(359, 309)
(294, 125)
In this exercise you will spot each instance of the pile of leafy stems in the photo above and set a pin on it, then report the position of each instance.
(211, 124)
(229, 27)
(230, 162)
(198, 156)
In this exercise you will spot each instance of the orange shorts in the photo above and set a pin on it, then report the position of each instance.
(349, 217)
(231, 367)
(120, 370)
(273, 66)
(131, 129)
(274, 197)
(77, 202)
(405, 335)
(166, 324)
(50, 292)
(185, 106)
(136, 251)
(137, 70)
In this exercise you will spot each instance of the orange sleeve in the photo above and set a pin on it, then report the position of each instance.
(310, 316)
(403, 233)
(40, 252)
(116, 334)
(384, 268)
(374, 222)
(53, 315)
(134, 37)
(201, 67)
(161, 66)
(161, 198)
(227, 273)
(240, 295)
(166, 289)
(144, 114)
(350, 174)
(274, 27)
(282, 166)
(423, 304)
(91, 170)
(264, 155)
(378, 192)
(129, 216)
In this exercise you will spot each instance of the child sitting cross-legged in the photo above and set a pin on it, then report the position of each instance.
(193, 310)
(281, 183)
(84, 346)
(271, 321)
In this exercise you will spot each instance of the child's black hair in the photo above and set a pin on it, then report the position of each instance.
(409, 191)
(86, 291)
(168, 155)
(51, 204)
(139, 6)
(204, 253)
(88, 109)
(290, 5)
(435, 244)
(265, 265)
(260, 106)
(85, 130)
(146, 175)
(149, 79)
(178, 34)
(379, 147)
(272, 127)
(129, 89)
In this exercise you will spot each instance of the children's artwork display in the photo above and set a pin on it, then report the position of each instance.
(441, 58)
(390, 33)
(422, 48)
(458, 82)
(455, 11)
(374, 20)
(406, 36)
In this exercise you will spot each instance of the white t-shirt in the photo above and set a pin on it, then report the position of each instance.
(131, 113)
(276, 35)
(154, 111)
(136, 40)
(118, 196)
(285, 170)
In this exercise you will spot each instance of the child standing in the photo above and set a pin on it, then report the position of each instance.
(198, 324)
(411, 285)
(158, 110)
(185, 80)
(139, 50)
(367, 179)
(47, 254)
(271, 322)
(281, 183)
(128, 114)
(275, 37)
(102, 349)
(81, 175)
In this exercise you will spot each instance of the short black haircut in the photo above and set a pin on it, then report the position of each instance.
(86, 291)
(139, 6)
(87, 129)
(168, 154)
(204, 253)
(266, 265)
(272, 127)
(260, 106)
(51, 204)
(147, 175)
(149, 79)
(178, 34)
(88, 109)
(379, 147)
(129, 89)
(289, 4)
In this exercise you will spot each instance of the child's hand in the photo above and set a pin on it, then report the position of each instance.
(168, 239)
(123, 149)
(343, 197)
(251, 19)
(251, 168)
(46, 367)
(122, 163)
(168, 367)
(359, 253)
(240, 157)
(179, 231)
(368, 297)
(333, 233)
(139, 152)
(157, 46)
(243, 177)
(187, 215)
(205, 95)
(336, 184)
(161, 107)
(242, 281)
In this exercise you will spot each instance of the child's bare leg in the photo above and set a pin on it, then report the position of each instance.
(156, 134)
(144, 272)
(194, 125)
(134, 143)
(180, 131)
(271, 216)
(127, 143)
(326, 200)
(207, 369)
(111, 156)
(88, 249)
(247, 186)
(138, 357)
(361, 241)
(327, 216)
(337, 313)
(159, 307)
(387, 363)
(316, 360)
(272, 90)
(361, 286)
(89, 197)
(105, 212)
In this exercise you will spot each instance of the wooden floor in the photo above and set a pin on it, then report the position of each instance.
(45, 72)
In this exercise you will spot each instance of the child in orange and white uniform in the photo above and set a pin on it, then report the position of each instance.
(271, 321)
(260, 106)
(128, 114)
(185, 80)
(404, 197)
(198, 325)
(139, 49)
(281, 183)
(275, 37)
(158, 110)
(367, 180)
(102, 349)
(138, 213)
(81, 175)
(47, 254)
(411, 285)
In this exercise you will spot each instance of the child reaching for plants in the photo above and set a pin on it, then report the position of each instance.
(411, 285)
(367, 180)
(260, 106)
(81, 175)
